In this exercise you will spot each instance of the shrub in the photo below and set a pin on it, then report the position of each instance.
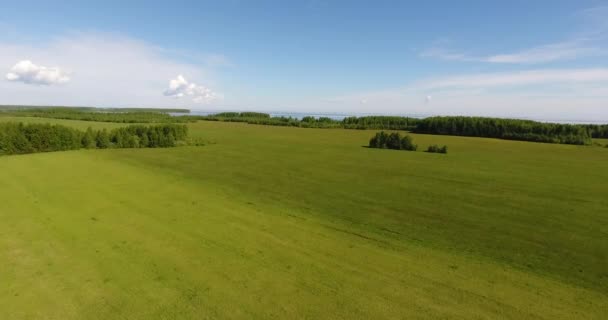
(393, 140)
(407, 144)
(436, 149)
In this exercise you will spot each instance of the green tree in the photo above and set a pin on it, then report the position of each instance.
(102, 139)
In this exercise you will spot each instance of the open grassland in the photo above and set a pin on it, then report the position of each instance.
(276, 222)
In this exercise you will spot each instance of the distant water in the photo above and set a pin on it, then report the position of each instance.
(340, 116)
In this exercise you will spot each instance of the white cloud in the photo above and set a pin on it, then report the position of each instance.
(548, 53)
(589, 39)
(108, 70)
(27, 72)
(443, 54)
(180, 87)
(567, 50)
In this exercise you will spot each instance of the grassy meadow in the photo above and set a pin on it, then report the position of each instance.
(290, 223)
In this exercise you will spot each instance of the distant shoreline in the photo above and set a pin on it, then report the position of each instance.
(341, 115)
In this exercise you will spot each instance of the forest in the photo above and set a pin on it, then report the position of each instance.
(510, 129)
(19, 138)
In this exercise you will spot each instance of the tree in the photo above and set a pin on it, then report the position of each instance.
(393, 140)
(102, 139)
(88, 139)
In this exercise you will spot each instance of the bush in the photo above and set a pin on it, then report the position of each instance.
(436, 149)
(393, 141)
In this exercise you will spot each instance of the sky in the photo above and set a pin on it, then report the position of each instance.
(533, 59)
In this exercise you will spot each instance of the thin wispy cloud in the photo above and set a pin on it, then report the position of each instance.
(567, 50)
(550, 93)
(445, 54)
(588, 42)
(549, 53)
(518, 78)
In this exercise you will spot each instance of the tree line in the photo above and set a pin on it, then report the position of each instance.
(130, 115)
(596, 131)
(19, 138)
(380, 122)
(511, 129)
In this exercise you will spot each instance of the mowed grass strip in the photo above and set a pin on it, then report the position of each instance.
(299, 223)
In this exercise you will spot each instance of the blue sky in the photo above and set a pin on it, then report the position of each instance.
(542, 59)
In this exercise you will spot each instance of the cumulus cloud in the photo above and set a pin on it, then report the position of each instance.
(27, 72)
(109, 70)
(180, 87)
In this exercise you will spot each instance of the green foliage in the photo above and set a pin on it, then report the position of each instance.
(254, 115)
(102, 139)
(437, 149)
(596, 131)
(380, 122)
(139, 136)
(511, 129)
(393, 141)
(240, 115)
(17, 138)
(88, 139)
(130, 115)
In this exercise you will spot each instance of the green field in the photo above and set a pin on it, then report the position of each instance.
(288, 223)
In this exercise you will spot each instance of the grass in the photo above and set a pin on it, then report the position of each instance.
(275, 222)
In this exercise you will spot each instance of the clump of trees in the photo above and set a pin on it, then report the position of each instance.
(437, 149)
(380, 122)
(19, 138)
(139, 136)
(394, 140)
